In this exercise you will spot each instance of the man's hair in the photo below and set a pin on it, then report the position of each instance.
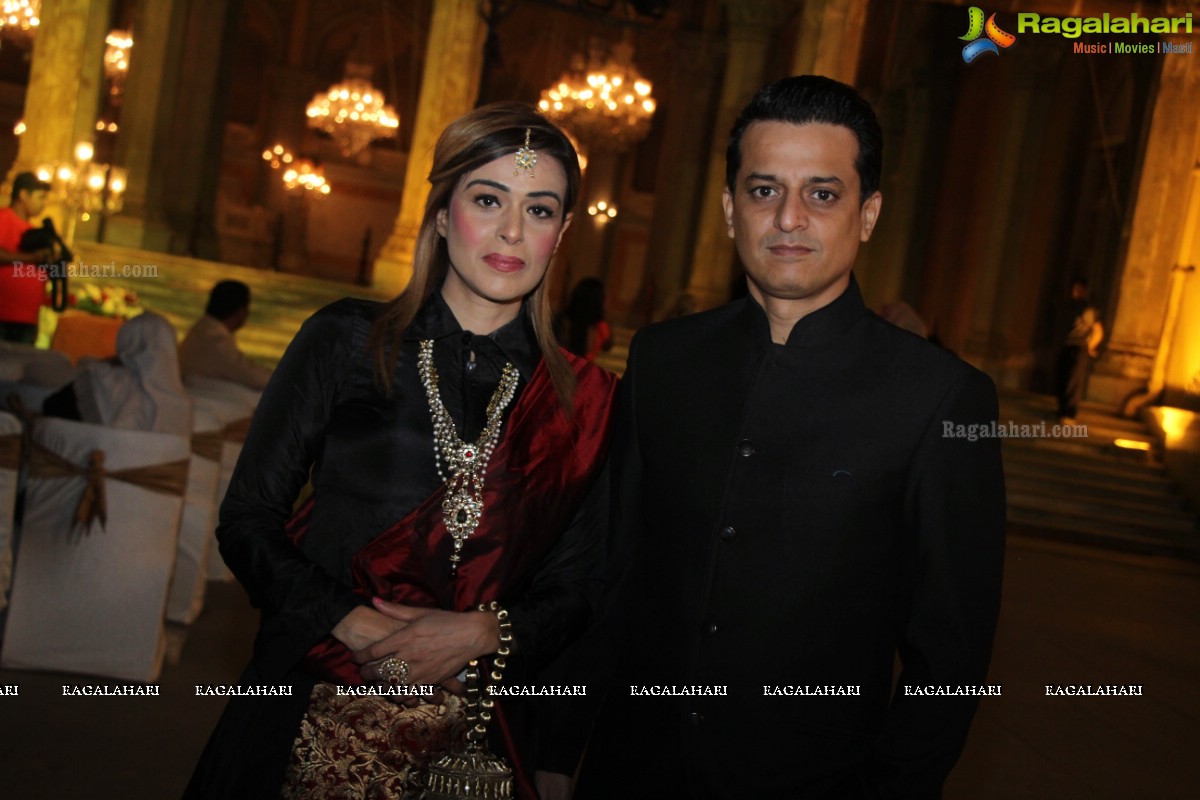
(803, 99)
(27, 182)
(227, 298)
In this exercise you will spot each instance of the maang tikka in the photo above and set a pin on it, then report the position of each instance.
(526, 158)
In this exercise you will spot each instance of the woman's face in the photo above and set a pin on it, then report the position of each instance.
(501, 230)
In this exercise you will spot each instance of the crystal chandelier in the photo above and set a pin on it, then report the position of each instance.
(116, 56)
(299, 174)
(20, 16)
(608, 105)
(353, 112)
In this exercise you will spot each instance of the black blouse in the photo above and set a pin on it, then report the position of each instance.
(371, 462)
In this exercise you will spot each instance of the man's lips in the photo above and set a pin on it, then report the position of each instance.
(790, 250)
(503, 263)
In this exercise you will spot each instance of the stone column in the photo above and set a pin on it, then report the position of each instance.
(65, 81)
(752, 24)
(681, 171)
(449, 85)
(999, 249)
(831, 39)
(148, 111)
(1156, 231)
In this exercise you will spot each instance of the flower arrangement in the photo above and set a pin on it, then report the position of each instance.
(106, 301)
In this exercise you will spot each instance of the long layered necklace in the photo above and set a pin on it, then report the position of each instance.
(462, 505)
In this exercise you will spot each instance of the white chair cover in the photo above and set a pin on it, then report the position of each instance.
(234, 413)
(10, 438)
(31, 396)
(94, 604)
(186, 598)
(25, 364)
(213, 387)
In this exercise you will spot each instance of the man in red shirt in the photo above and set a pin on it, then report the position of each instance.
(22, 282)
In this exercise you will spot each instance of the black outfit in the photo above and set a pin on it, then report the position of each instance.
(372, 462)
(18, 332)
(794, 516)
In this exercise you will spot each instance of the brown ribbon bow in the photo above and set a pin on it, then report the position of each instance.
(10, 451)
(167, 478)
(208, 445)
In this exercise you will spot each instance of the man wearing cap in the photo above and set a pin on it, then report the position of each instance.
(22, 282)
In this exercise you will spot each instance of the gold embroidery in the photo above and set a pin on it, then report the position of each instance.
(368, 747)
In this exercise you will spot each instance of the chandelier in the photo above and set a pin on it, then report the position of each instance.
(353, 112)
(116, 58)
(20, 16)
(84, 186)
(299, 174)
(607, 105)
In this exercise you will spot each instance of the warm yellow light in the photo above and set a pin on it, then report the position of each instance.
(84, 151)
(1131, 444)
(19, 128)
(1175, 422)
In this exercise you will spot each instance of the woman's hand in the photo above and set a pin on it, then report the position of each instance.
(436, 644)
(364, 626)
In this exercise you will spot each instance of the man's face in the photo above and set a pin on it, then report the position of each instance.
(35, 201)
(794, 211)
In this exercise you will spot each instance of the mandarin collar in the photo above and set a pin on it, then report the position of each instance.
(815, 329)
(515, 340)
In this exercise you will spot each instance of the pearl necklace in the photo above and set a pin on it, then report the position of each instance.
(462, 504)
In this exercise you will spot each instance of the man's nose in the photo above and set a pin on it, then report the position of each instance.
(792, 213)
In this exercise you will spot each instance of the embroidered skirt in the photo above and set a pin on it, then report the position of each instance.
(369, 747)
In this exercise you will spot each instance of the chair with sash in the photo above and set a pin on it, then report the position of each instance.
(234, 405)
(186, 598)
(97, 547)
(10, 470)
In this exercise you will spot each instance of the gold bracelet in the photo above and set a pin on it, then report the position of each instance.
(479, 703)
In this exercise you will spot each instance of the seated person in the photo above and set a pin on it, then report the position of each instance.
(139, 388)
(209, 349)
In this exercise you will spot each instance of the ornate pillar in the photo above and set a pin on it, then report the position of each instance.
(999, 250)
(65, 80)
(147, 115)
(1156, 232)
(831, 39)
(751, 24)
(192, 151)
(449, 85)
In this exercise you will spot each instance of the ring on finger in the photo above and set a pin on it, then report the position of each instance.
(395, 671)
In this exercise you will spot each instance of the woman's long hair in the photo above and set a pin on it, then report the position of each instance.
(472, 140)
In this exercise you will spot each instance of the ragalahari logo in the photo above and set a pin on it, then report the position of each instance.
(976, 27)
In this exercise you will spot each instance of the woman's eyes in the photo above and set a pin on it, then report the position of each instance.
(493, 201)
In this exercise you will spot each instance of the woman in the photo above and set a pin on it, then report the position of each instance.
(139, 388)
(454, 450)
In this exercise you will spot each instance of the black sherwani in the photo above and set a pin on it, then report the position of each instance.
(793, 515)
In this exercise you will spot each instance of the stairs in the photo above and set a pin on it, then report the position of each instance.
(1088, 490)
(178, 289)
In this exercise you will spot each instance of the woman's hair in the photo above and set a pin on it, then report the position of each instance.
(471, 141)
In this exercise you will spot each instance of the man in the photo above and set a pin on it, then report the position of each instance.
(209, 349)
(22, 282)
(1082, 344)
(792, 512)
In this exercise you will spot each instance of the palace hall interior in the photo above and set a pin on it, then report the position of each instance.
(187, 142)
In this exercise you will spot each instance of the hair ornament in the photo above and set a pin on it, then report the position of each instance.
(526, 158)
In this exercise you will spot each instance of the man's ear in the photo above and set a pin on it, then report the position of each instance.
(870, 215)
(727, 205)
